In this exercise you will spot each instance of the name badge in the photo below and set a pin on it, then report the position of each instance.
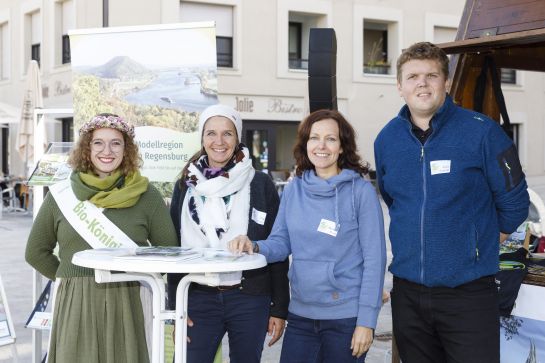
(258, 216)
(440, 167)
(328, 227)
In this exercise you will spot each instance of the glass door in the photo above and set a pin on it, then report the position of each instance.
(260, 138)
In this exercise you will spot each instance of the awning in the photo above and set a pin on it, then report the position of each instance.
(9, 114)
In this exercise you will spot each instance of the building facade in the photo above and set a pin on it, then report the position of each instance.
(262, 51)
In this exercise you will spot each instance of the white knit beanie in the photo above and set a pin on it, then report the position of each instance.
(221, 110)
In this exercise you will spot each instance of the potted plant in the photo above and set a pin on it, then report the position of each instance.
(377, 63)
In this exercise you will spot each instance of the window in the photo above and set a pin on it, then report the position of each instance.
(508, 76)
(294, 19)
(377, 43)
(224, 50)
(65, 17)
(5, 153)
(223, 16)
(294, 46)
(33, 36)
(514, 132)
(65, 49)
(375, 48)
(298, 37)
(444, 34)
(35, 52)
(67, 129)
(4, 52)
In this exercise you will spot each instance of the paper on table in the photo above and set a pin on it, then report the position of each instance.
(166, 254)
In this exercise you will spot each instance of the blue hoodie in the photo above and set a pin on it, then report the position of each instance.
(331, 277)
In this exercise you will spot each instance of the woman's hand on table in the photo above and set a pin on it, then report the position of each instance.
(241, 244)
(275, 329)
(361, 340)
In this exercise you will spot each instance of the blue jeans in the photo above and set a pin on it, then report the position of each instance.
(244, 317)
(313, 341)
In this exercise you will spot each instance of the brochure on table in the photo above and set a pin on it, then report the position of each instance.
(178, 254)
(53, 166)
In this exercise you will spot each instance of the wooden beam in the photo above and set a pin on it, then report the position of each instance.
(475, 45)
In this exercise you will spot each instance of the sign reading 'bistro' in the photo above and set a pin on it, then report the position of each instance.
(267, 108)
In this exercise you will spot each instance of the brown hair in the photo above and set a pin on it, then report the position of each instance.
(423, 51)
(185, 171)
(80, 157)
(349, 159)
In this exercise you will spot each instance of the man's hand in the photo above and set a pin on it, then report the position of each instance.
(275, 329)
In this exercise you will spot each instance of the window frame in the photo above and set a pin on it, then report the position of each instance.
(5, 27)
(27, 9)
(390, 16)
(318, 8)
(384, 65)
(299, 36)
(236, 69)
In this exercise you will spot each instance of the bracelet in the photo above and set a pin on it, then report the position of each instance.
(256, 248)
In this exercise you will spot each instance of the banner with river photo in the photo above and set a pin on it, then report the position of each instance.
(159, 78)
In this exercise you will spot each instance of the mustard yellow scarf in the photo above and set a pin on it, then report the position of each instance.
(113, 192)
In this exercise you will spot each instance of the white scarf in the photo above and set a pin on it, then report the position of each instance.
(213, 212)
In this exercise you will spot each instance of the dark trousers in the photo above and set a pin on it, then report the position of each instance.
(441, 324)
(318, 341)
(244, 317)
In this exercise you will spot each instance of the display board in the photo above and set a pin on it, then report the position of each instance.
(41, 316)
(522, 336)
(53, 165)
(7, 332)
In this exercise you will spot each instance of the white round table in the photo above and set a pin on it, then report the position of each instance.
(148, 269)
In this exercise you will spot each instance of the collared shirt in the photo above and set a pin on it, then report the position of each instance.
(420, 134)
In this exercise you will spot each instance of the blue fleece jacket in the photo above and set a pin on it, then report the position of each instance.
(449, 198)
(331, 277)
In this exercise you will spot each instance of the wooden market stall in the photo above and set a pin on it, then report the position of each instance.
(511, 33)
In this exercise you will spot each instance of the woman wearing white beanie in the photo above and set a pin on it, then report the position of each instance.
(218, 197)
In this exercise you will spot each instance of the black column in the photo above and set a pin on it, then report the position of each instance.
(322, 69)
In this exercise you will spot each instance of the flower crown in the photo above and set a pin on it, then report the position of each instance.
(107, 121)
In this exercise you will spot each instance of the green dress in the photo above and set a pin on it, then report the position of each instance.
(96, 323)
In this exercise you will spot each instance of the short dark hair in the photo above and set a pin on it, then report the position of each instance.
(80, 157)
(348, 159)
(422, 51)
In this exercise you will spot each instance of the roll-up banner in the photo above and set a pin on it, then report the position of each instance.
(159, 78)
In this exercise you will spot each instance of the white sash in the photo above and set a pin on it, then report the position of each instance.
(88, 220)
(99, 232)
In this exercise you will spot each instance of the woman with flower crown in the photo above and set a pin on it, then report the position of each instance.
(98, 323)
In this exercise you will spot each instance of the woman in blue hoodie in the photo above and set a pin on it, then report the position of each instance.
(330, 221)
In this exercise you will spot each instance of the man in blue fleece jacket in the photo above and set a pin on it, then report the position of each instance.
(455, 188)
